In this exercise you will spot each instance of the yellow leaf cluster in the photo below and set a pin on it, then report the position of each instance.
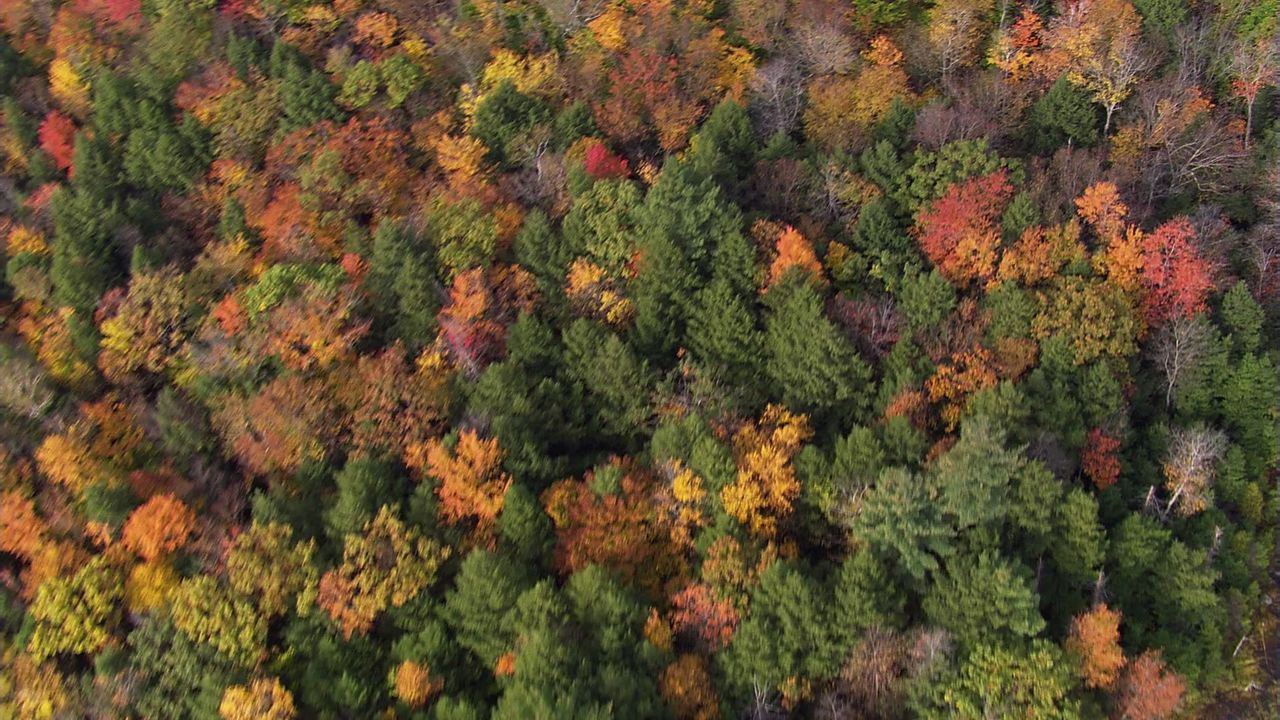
(415, 685)
(23, 239)
(68, 87)
(766, 485)
(262, 699)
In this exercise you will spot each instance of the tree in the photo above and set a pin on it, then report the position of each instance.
(1178, 348)
(687, 686)
(616, 382)
(605, 519)
(265, 564)
(1098, 460)
(900, 523)
(1254, 66)
(1099, 43)
(955, 31)
(995, 681)
(1062, 115)
(57, 138)
(1190, 468)
(76, 614)
(766, 485)
(480, 607)
(1148, 691)
(957, 231)
(208, 614)
(386, 565)
(1177, 279)
(1097, 319)
(814, 367)
(147, 329)
(263, 699)
(1094, 642)
(984, 597)
(159, 527)
(783, 640)
(472, 482)
(178, 676)
(794, 251)
(415, 685)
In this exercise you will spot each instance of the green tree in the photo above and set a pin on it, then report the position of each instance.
(984, 597)
(480, 608)
(901, 523)
(814, 368)
(177, 677)
(503, 116)
(1243, 317)
(363, 486)
(926, 299)
(724, 147)
(1032, 682)
(784, 636)
(617, 382)
(1064, 114)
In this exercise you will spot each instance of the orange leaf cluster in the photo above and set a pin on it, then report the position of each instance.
(958, 231)
(159, 527)
(1099, 460)
(1095, 642)
(793, 251)
(472, 482)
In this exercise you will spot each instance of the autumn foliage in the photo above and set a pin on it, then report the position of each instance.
(159, 527)
(958, 232)
(1095, 641)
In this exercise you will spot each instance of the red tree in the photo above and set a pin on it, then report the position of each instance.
(602, 164)
(958, 232)
(1148, 691)
(1176, 277)
(57, 138)
(1099, 459)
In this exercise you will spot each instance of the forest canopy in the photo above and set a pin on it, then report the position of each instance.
(689, 359)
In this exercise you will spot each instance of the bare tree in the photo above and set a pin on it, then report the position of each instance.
(777, 96)
(569, 15)
(1178, 348)
(1190, 467)
(1254, 66)
(24, 386)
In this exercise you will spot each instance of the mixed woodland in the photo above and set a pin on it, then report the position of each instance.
(690, 359)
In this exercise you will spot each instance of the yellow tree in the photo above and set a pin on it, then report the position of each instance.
(766, 484)
(265, 564)
(386, 566)
(1098, 43)
(262, 699)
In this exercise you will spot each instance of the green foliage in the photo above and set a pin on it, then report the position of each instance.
(985, 596)
(926, 299)
(1032, 682)
(1063, 114)
(464, 235)
(363, 486)
(784, 636)
(813, 367)
(503, 117)
(177, 677)
(931, 173)
(901, 524)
